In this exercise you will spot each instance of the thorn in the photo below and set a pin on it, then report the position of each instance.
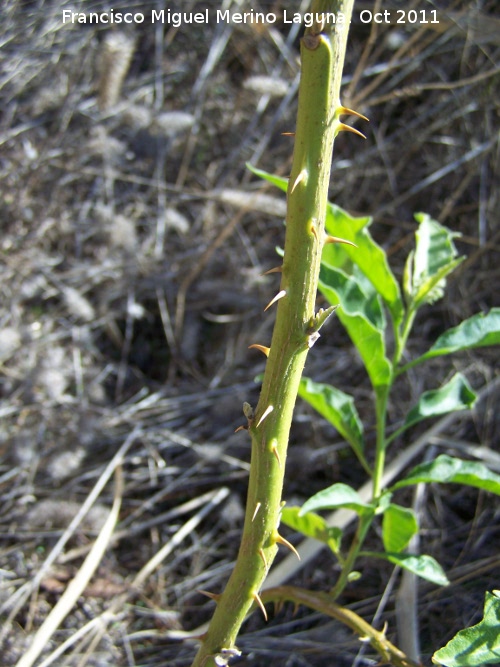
(288, 134)
(276, 455)
(265, 350)
(348, 128)
(336, 239)
(276, 269)
(261, 605)
(278, 296)
(213, 596)
(241, 428)
(278, 606)
(266, 413)
(263, 557)
(286, 543)
(301, 177)
(315, 233)
(257, 508)
(345, 111)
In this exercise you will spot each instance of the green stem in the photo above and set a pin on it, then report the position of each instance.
(324, 603)
(381, 399)
(295, 330)
(348, 565)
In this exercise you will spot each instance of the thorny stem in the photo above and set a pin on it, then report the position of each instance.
(324, 603)
(295, 331)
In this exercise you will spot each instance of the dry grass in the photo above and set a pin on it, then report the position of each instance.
(131, 287)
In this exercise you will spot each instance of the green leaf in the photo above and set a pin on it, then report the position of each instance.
(480, 330)
(454, 395)
(399, 525)
(337, 408)
(423, 566)
(434, 258)
(362, 316)
(477, 645)
(367, 255)
(338, 495)
(312, 525)
(278, 181)
(447, 469)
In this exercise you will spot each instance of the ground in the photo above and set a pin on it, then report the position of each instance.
(133, 245)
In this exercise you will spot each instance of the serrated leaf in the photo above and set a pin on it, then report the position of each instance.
(312, 525)
(477, 645)
(399, 525)
(454, 395)
(435, 257)
(335, 496)
(367, 255)
(362, 316)
(480, 330)
(337, 408)
(423, 566)
(447, 469)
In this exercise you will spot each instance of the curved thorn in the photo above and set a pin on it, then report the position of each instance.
(257, 599)
(336, 239)
(257, 508)
(241, 428)
(213, 596)
(350, 112)
(315, 233)
(278, 296)
(286, 543)
(276, 454)
(266, 413)
(348, 128)
(263, 557)
(301, 177)
(276, 269)
(265, 350)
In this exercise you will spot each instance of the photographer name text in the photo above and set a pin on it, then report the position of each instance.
(309, 19)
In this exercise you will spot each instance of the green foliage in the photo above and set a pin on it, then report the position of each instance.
(399, 525)
(480, 330)
(312, 525)
(378, 316)
(423, 566)
(447, 469)
(478, 645)
(339, 409)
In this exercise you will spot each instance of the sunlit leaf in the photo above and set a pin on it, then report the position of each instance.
(454, 395)
(434, 258)
(480, 330)
(423, 566)
(338, 495)
(447, 469)
(312, 525)
(337, 408)
(477, 645)
(367, 255)
(399, 525)
(362, 316)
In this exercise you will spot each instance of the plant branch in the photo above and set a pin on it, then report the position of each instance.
(296, 328)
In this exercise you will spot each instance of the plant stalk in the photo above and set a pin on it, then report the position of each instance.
(296, 327)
